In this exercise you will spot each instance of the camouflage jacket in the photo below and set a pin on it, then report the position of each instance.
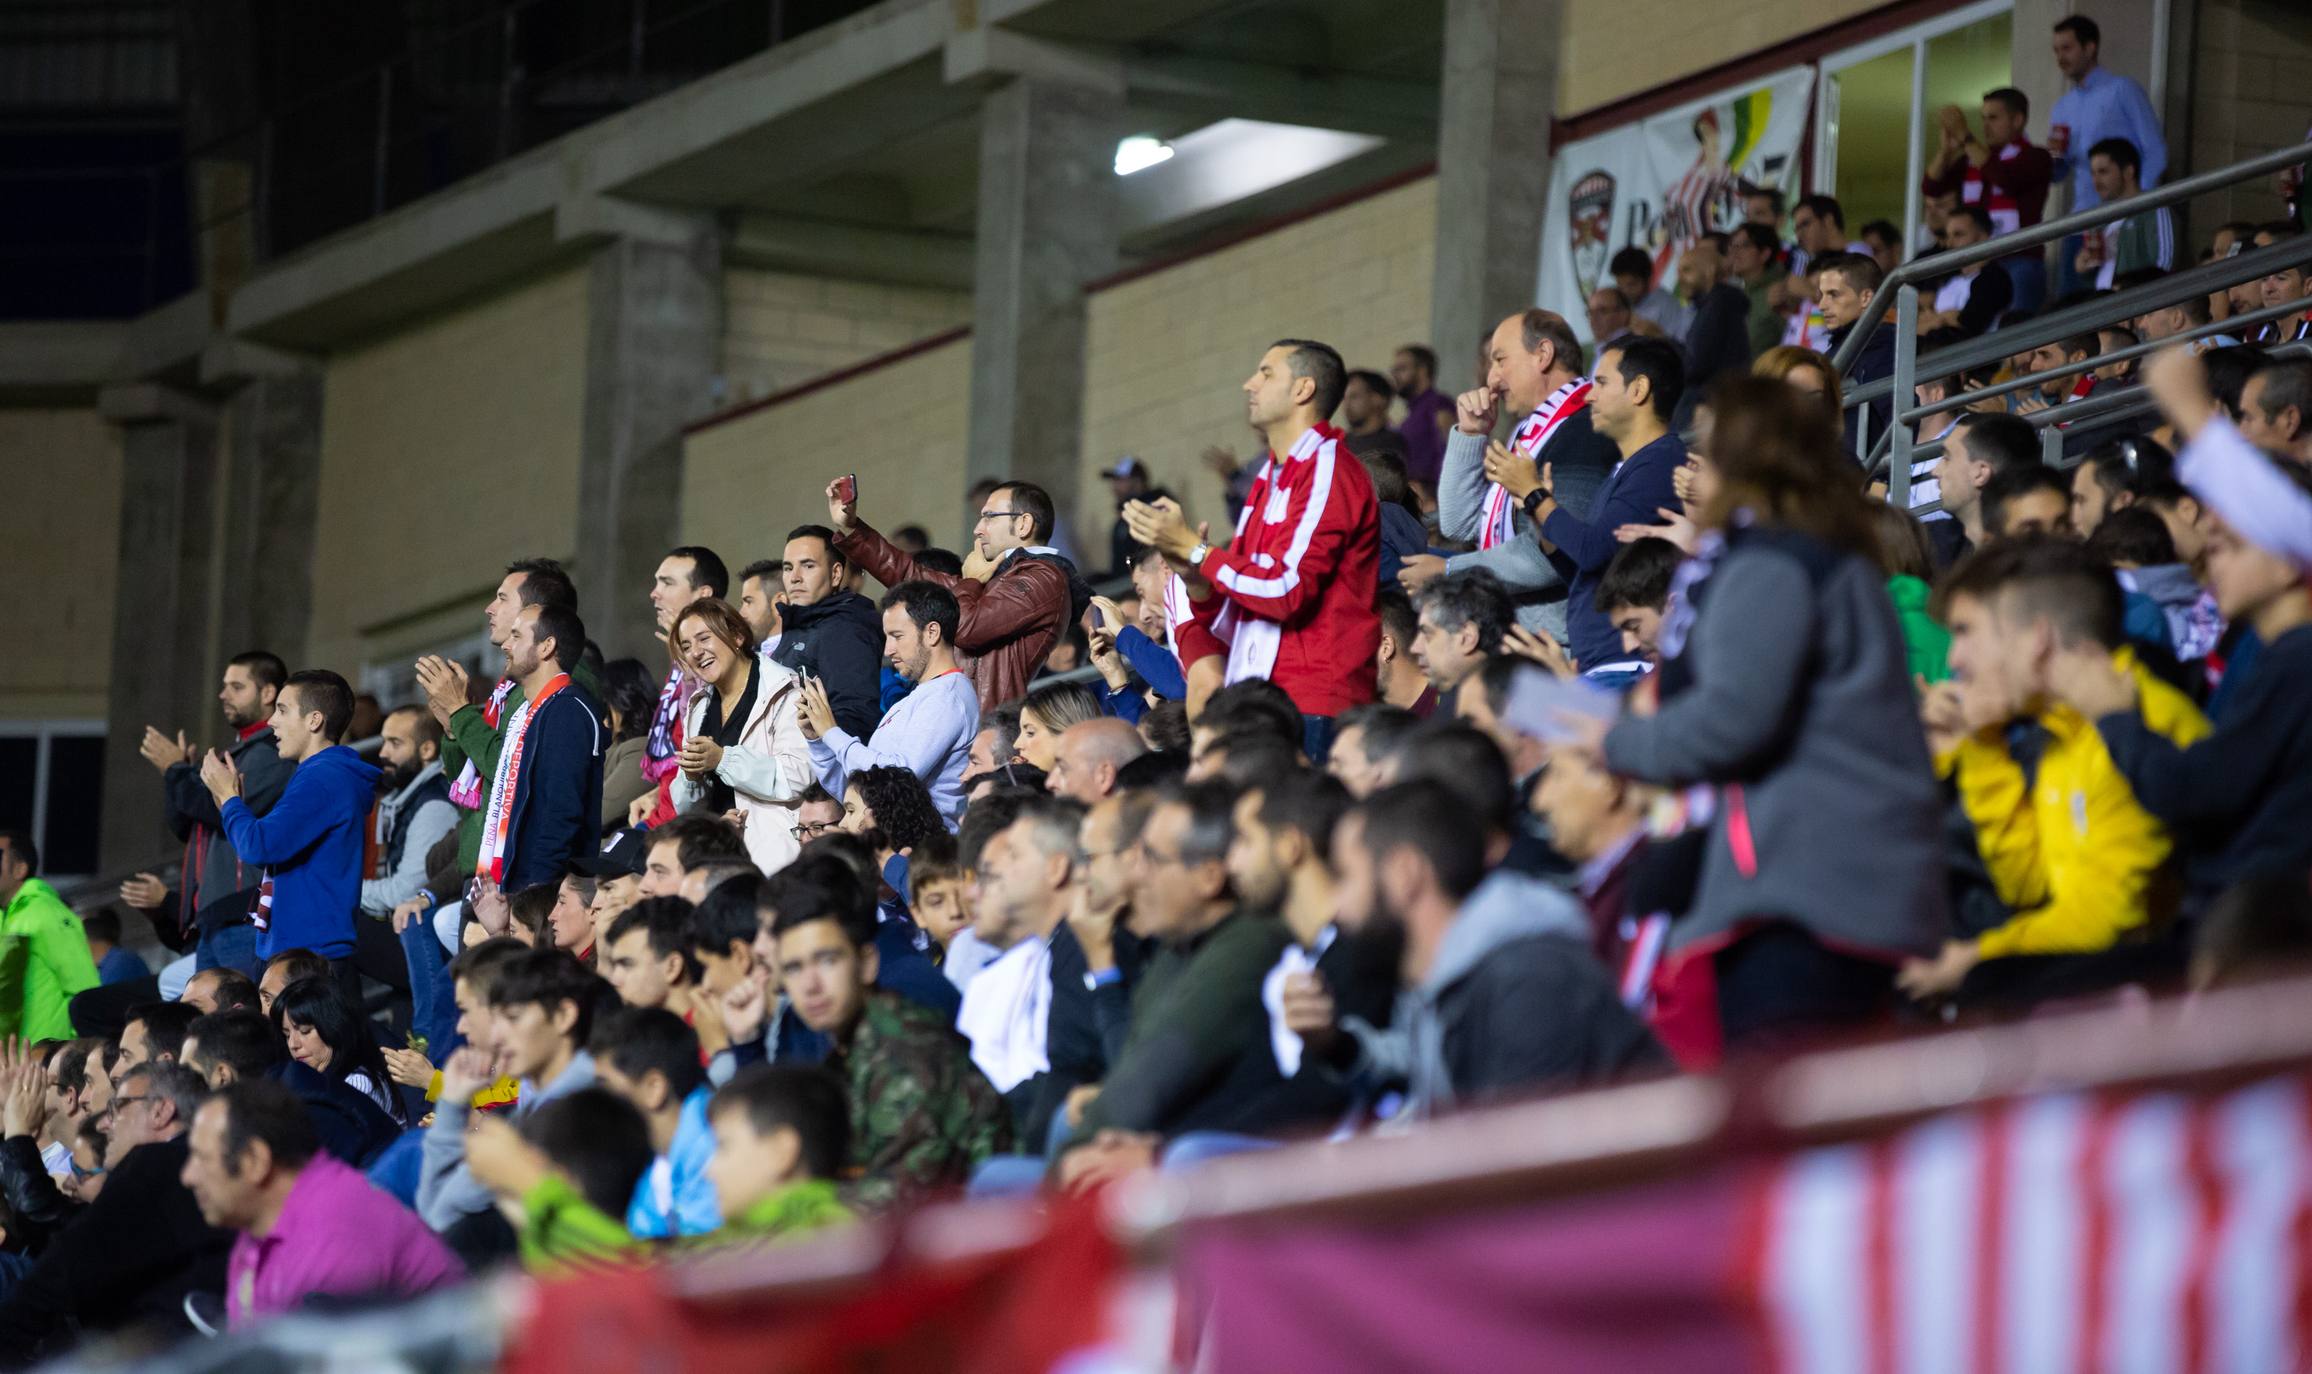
(921, 1113)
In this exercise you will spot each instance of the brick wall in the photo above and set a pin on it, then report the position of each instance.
(2250, 95)
(446, 450)
(780, 330)
(901, 428)
(59, 584)
(1168, 353)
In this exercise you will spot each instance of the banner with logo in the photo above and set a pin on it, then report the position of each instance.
(1663, 181)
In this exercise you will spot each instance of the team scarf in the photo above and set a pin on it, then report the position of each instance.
(491, 862)
(466, 792)
(1500, 512)
(666, 725)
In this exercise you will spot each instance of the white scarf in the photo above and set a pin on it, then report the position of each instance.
(1006, 1012)
(1500, 525)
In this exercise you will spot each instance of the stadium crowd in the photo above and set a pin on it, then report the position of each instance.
(1599, 722)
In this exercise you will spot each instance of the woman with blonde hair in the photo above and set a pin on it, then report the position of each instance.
(1801, 369)
(743, 747)
(1785, 696)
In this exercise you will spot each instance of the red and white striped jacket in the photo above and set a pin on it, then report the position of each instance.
(1295, 586)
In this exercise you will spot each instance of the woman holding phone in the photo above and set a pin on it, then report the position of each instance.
(743, 747)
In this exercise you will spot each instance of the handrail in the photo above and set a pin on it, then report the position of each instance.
(2048, 231)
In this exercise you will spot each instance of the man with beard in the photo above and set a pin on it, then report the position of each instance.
(545, 795)
(1535, 372)
(1497, 998)
(216, 888)
(412, 816)
(830, 632)
(930, 731)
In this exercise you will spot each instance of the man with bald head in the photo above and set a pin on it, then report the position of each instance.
(1090, 754)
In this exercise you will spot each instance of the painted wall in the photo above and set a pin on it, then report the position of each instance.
(781, 329)
(63, 480)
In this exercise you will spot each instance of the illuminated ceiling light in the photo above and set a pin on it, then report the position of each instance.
(1141, 152)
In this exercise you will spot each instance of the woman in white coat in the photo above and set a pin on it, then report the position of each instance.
(742, 746)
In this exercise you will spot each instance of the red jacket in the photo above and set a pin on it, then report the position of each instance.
(1294, 589)
(1010, 621)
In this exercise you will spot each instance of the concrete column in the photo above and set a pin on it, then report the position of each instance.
(1498, 94)
(169, 472)
(1047, 227)
(653, 342)
(272, 467)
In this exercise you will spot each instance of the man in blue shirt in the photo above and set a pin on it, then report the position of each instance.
(2101, 104)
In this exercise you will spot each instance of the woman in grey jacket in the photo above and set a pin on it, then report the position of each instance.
(1784, 689)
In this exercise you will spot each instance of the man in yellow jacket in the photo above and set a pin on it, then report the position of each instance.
(2069, 849)
(44, 958)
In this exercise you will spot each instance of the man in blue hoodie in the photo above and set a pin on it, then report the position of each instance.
(310, 844)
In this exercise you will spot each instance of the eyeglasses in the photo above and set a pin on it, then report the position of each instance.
(987, 515)
(811, 830)
(120, 1102)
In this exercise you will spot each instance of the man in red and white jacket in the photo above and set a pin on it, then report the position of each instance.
(1291, 597)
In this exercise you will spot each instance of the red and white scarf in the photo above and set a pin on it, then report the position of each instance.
(1500, 512)
(466, 792)
(491, 862)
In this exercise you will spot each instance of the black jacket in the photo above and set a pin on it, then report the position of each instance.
(1084, 1031)
(839, 640)
(1539, 1014)
(127, 1260)
(1718, 340)
(41, 1209)
(350, 1126)
(1877, 360)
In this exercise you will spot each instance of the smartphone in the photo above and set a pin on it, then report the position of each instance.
(847, 489)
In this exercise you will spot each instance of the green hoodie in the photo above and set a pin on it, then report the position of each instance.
(44, 961)
(562, 1231)
(1926, 644)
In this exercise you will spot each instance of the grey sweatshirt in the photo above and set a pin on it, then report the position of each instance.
(1579, 463)
(446, 1189)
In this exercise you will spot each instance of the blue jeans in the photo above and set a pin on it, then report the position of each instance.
(1187, 1151)
(234, 947)
(433, 1007)
(399, 1166)
(1316, 738)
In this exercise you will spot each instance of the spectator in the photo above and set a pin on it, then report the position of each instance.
(1817, 738)
(1495, 998)
(688, 844)
(2161, 601)
(1801, 369)
(1718, 340)
(1403, 535)
(1128, 482)
(647, 958)
(1463, 618)
(1291, 599)
(2188, 314)
(220, 989)
(1908, 558)
(2001, 174)
(218, 888)
(1398, 678)
(1754, 263)
(232, 1046)
(1427, 413)
(115, 963)
(2276, 409)
(1972, 299)
(1634, 594)
(831, 632)
(2282, 287)
(1599, 822)
(2030, 500)
(311, 841)
(125, 1263)
(2067, 845)
(1633, 273)
(1847, 285)
(44, 955)
(744, 747)
(415, 813)
(155, 1034)
(762, 592)
(1884, 243)
(542, 1006)
(545, 794)
(650, 1057)
(1979, 448)
(2106, 482)
(1820, 225)
(1635, 392)
(930, 731)
(330, 1036)
(309, 1225)
(1047, 713)
(1365, 402)
(1020, 901)
(2147, 239)
(921, 1114)
(2100, 105)
(687, 574)
(1090, 755)
(1016, 597)
(1536, 371)
(629, 694)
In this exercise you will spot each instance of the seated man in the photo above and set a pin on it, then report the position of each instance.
(2068, 847)
(2033, 500)
(1598, 821)
(921, 1114)
(309, 1225)
(648, 959)
(687, 843)
(1635, 594)
(649, 1057)
(227, 1047)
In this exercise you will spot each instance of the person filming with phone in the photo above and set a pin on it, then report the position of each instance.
(1017, 594)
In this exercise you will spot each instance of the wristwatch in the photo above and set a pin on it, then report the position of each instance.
(1533, 500)
(1197, 555)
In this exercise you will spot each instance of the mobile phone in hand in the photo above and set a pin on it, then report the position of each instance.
(847, 489)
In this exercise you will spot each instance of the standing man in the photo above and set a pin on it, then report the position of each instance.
(1016, 595)
(1632, 398)
(1718, 340)
(1428, 412)
(1365, 407)
(1128, 482)
(929, 733)
(44, 956)
(545, 801)
(1292, 596)
(2101, 104)
(1753, 257)
(2004, 175)
(415, 812)
(311, 842)
(829, 631)
(762, 586)
(1536, 372)
(1846, 288)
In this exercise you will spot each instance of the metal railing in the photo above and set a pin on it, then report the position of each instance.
(2112, 309)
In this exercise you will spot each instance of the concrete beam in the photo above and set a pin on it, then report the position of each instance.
(990, 56)
(150, 403)
(1499, 91)
(857, 252)
(230, 362)
(584, 217)
(60, 363)
(1285, 95)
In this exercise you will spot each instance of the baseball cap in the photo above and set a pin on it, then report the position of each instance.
(623, 856)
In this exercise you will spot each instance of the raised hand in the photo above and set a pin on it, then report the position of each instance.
(842, 513)
(408, 1067)
(144, 892)
(164, 753)
(467, 1072)
(220, 776)
(1541, 649)
(1676, 527)
(1475, 410)
(489, 905)
(813, 711)
(744, 1008)
(444, 684)
(1514, 471)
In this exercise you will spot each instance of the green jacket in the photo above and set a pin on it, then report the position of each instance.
(922, 1115)
(562, 1231)
(1926, 644)
(44, 961)
(470, 736)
